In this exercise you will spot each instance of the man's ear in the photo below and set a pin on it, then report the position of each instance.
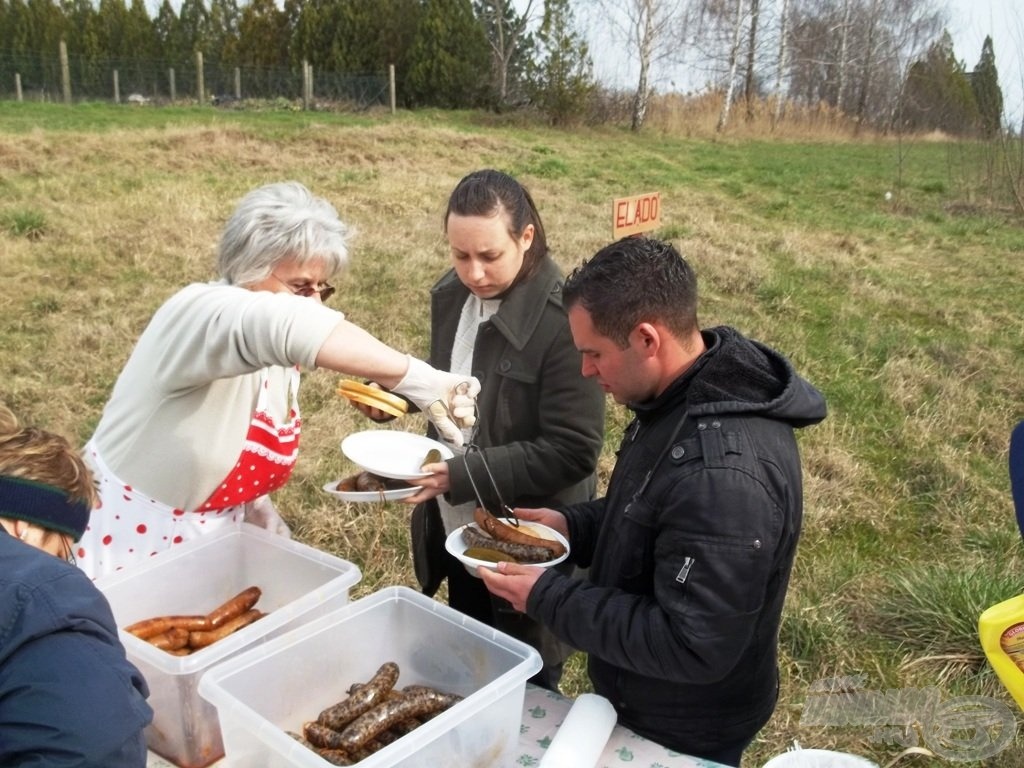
(647, 338)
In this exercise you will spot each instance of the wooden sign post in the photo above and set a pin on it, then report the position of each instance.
(636, 215)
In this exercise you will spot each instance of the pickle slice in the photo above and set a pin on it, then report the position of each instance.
(433, 456)
(488, 554)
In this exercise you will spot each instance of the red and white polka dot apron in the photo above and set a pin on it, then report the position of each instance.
(129, 527)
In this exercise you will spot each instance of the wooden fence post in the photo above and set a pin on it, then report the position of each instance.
(238, 83)
(391, 86)
(117, 89)
(170, 80)
(200, 87)
(17, 85)
(65, 72)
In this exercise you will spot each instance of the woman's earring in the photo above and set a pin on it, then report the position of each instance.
(24, 534)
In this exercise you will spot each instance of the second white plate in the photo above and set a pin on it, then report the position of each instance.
(390, 453)
(391, 494)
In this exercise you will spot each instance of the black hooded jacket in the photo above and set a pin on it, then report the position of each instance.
(690, 551)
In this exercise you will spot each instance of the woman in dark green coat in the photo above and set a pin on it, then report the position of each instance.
(497, 315)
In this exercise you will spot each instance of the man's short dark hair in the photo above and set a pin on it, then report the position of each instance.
(632, 281)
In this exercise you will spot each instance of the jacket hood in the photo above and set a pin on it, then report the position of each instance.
(739, 375)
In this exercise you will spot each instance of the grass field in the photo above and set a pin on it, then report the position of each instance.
(907, 313)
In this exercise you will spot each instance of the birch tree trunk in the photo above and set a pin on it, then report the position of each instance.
(748, 85)
(501, 55)
(734, 60)
(843, 56)
(780, 66)
(645, 45)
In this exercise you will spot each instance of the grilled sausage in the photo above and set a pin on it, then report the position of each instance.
(417, 703)
(361, 699)
(202, 639)
(234, 607)
(320, 735)
(504, 532)
(160, 624)
(173, 639)
(521, 553)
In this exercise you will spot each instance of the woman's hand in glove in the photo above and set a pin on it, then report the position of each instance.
(448, 399)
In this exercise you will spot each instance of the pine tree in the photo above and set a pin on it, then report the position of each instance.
(39, 26)
(139, 50)
(365, 36)
(312, 28)
(562, 82)
(112, 16)
(987, 93)
(263, 35)
(194, 24)
(222, 43)
(168, 35)
(938, 94)
(87, 56)
(448, 54)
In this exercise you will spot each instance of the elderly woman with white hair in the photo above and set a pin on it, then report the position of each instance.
(203, 422)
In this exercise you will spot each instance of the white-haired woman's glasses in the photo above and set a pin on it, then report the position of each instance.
(324, 290)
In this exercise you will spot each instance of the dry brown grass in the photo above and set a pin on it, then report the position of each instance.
(697, 116)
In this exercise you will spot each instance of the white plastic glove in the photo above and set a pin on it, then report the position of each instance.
(263, 514)
(447, 399)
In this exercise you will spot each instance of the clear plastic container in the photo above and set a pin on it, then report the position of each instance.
(298, 583)
(269, 691)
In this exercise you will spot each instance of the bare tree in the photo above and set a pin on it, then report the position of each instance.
(506, 29)
(652, 30)
(734, 59)
(844, 47)
(780, 62)
(645, 41)
(749, 77)
(853, 54)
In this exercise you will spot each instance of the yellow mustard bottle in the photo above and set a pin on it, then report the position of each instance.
(1001, 631)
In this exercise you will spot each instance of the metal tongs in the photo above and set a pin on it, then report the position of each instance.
(506, 510)
(470, 446)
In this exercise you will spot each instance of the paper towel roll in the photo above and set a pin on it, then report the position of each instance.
(583, 734)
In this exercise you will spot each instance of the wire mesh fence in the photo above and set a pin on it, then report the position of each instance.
(41, 77)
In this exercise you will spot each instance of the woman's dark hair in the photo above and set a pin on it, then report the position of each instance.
(485, 193)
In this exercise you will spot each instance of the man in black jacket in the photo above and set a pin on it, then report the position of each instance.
(690, 550)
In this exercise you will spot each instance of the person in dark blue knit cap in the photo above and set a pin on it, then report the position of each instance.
(68, 694)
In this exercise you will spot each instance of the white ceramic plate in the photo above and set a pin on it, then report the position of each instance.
(457, 547)
(389, 453)
(392, 494)
(818, 758)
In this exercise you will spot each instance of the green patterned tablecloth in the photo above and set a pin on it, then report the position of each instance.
(543, 713)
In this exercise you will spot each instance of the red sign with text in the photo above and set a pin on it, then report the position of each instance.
(636, 214)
